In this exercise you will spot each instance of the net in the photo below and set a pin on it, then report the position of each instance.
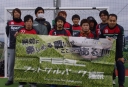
(50, 13)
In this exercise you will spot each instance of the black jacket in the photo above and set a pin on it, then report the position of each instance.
(11, 28)
(93, 29)
(119, 40)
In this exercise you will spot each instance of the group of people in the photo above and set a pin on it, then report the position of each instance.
(88, 28)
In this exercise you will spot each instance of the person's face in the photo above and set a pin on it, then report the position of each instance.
(28, 24)
(16, 14)
(112, 21)
(40, 11)
(91, 24)
(104, 18)
(85, 27)
(60, 24)
(63, 15)
(75, 21)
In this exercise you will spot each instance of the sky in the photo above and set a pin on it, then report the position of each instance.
(119, 7)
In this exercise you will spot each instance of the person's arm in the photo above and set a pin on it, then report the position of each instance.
(51, 32)
(48, 27)
(71, 31)
(120, 45)
(7, 29)
(37, 32)
(45, 31)
(68, 33)
(97, 30)
(17, 32)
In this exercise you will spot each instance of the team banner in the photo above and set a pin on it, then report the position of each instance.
(75, 61)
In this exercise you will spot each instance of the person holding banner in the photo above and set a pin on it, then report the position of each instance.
(114, 30)
(59, 31)
(11, 28)
(85, 32)
(28, 29)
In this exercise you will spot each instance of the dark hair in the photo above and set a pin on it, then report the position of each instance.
(60, 18)
(27, 17)
(114, 15)
(84, 21)
(75, 16)
(62, 12)
(16, 9)
(105, 12)
(38, 8)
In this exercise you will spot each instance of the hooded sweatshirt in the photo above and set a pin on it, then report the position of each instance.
(93, 29)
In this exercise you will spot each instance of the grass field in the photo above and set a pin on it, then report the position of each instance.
(3, 80)
(126, 64)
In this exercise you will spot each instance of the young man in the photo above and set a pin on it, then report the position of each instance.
(40, 23)
(104, 18)
(59, 27)
(112, 29)
(85, 32)
(93, 24)
(11, 28)
(67, 25)
(59, 31)
(28, 29)
(76, 27)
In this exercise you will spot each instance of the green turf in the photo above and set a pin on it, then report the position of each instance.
(2, 82)
(126, 64)
(126, 82)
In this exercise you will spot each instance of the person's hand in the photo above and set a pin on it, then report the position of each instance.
(109, 38)
(15, 34)
(121, 59)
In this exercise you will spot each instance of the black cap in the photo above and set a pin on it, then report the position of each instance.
(90, 18)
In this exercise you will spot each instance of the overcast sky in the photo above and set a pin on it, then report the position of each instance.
(115, 6)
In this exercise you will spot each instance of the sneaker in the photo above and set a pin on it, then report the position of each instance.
(9, 83)
(114, 82)
(21, 86)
